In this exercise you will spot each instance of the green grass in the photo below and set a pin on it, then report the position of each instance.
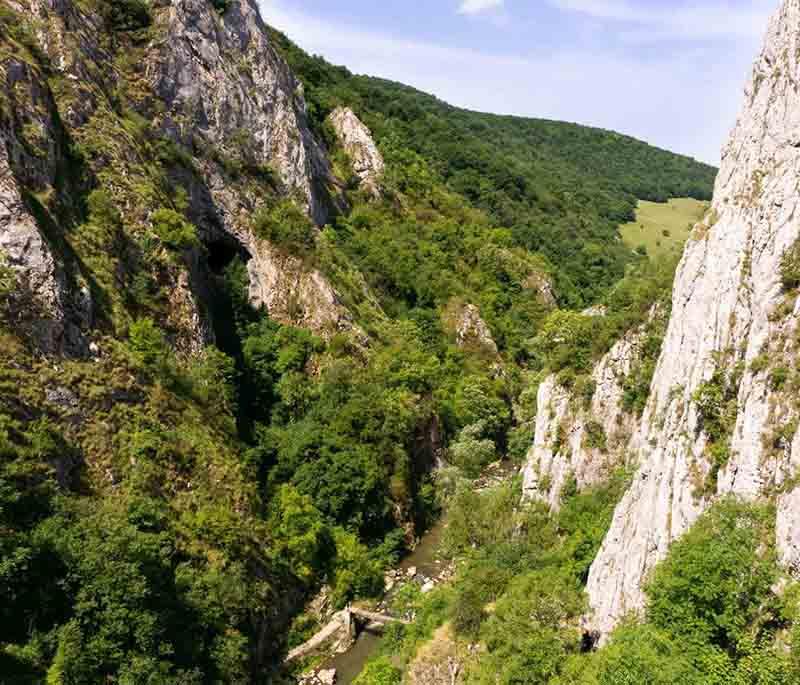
(663, 228)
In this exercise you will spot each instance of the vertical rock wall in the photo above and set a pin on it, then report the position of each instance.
(732, 325)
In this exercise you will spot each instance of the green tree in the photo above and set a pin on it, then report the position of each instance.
(717, 578)
(173, 229)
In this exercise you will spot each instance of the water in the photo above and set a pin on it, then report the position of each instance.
(424, 559)
(352, 662)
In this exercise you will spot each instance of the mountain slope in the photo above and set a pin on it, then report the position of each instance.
(233, 353)
(561, 188)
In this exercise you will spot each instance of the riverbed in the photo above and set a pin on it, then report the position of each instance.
(428, 564)
(424, 562)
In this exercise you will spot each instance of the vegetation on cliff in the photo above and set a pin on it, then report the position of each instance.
(167, 504)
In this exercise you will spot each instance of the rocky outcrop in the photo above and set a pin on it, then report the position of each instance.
(24, 249)
(542, 284)
(471, 331)
(584, 434)
(221, 80)
(51, 302)
(733, 327)
(225, 96)
(293, 293)
(356, 139)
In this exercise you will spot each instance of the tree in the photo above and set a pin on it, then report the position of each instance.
(717, 577)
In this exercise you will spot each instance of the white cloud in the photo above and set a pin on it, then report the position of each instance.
(686, 102)
(700, 21)
(478, 6)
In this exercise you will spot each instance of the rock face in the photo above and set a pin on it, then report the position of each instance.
(580, 440)
(223, 94)
(294, 294)
(356, 139)
(471, 331)
(220, 79)
(734, 325)
(51, 300)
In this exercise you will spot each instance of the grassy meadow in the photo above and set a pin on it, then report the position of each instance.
(663, 228)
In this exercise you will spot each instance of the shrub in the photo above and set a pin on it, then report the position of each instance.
(286, 226)
(471, 451)
(300, 531)
(790, 267)
(565, 341)
(126, 15)
(357, 572)
(148, 343)
(103, 210)
(779, 377)
(715, 401)
(221, 5)
(596, 436)
(173, 229)
(380, 672)
(8, 280)
(530, 632)
(717, 578)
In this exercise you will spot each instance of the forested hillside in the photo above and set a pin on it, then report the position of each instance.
(231, 364)
(561, 189)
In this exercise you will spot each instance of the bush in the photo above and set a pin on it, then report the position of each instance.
(596, 436)
(717, 578)
(471, 451)
(790, 267)
(221, 5)
(148, 343)
(126, 15)
(530, 633)
(173, 229)
(8, 280)
(287, 227)
(565, 341)
(380, 672)
(300, 532)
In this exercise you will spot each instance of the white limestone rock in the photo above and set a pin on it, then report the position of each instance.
(726, 289)
(221, 79)
(294, 294)
(584, 442)
(356, 139)
(471, 331)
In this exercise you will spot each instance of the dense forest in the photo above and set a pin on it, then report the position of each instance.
(166, 511)
(561, 189)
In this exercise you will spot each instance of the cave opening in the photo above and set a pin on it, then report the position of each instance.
(221, 252)
(230, 314)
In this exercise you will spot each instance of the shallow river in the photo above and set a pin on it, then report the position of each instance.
(424, 559)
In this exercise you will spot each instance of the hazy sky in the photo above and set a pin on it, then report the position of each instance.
(668, 71)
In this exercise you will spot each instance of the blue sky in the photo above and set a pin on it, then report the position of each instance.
(668, 71)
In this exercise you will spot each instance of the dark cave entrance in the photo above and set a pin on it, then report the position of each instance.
(221, 252)
(228, 283)
(231, 314)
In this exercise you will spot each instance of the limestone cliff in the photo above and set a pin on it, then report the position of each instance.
(219, 78)
(356, 139)
(222, 80)
(471, 332)
(210, 95)
(721, 417)
(582, 433)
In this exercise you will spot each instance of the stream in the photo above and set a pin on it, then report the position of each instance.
(424, 559)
